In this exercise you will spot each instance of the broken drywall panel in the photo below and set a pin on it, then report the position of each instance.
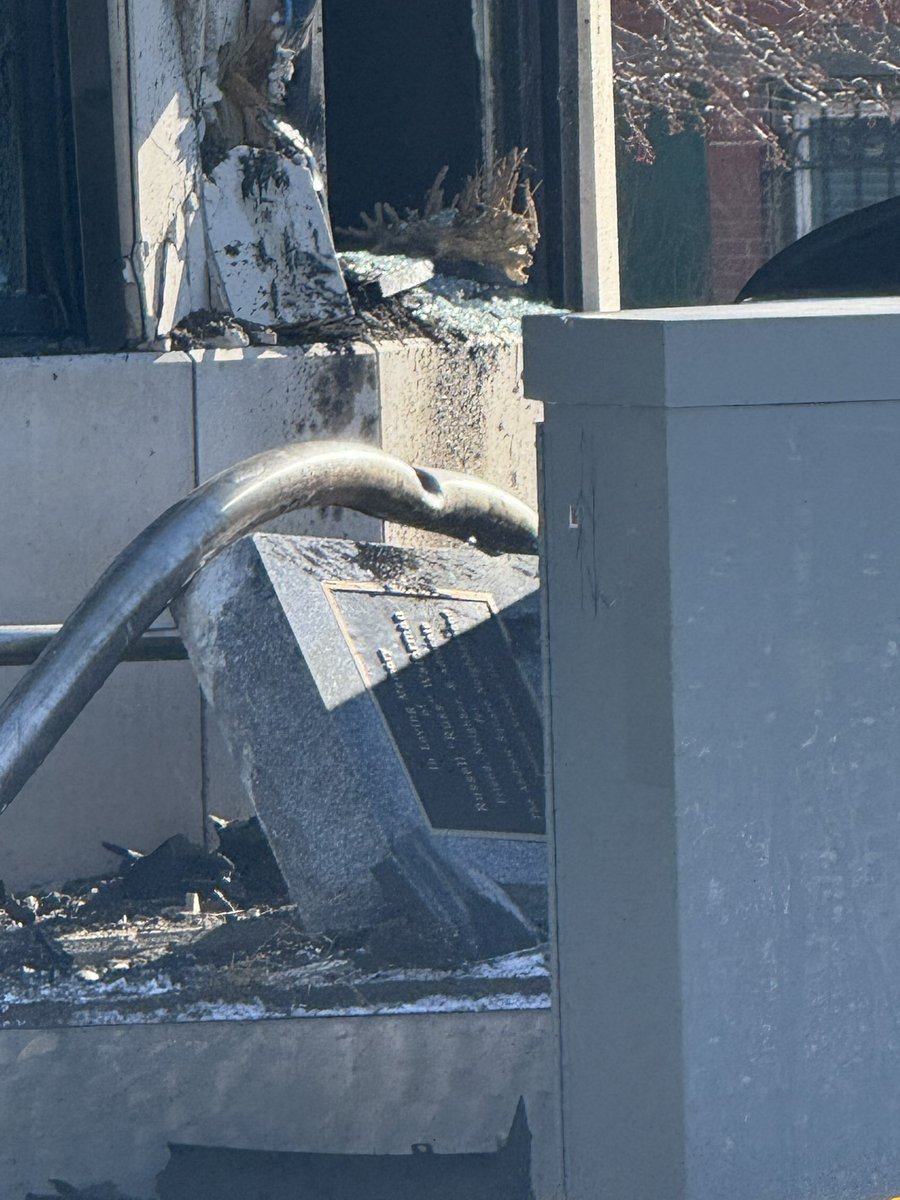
(176, 52)
(184, 282)
(172, 275)
(166, 156)
(205, 27)
(270, 240)
(173, 48)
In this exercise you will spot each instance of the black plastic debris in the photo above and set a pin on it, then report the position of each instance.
(215, 331)
(173, 869)
(246, 846)
(22, 914)
(223, 1173)
(93, 1191)
(41, 951)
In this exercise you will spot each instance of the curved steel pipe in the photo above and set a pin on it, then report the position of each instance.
(146, 576)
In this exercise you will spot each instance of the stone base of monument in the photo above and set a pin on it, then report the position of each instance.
(382, 708)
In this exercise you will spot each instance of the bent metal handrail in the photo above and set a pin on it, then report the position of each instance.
(139, 584)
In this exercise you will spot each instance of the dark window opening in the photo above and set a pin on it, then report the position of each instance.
(402, 92)
(526, 113)
(39, 277)
(412, 86)
(60, 261)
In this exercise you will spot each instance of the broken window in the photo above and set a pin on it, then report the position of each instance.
(402, 87)
(55, 257)
(416, 86)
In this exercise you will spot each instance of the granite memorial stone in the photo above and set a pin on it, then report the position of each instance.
(382, 706)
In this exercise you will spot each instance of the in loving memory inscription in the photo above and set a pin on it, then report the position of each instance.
(463, 719)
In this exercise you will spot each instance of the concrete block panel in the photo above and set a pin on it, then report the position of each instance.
(101, 1103)
(250, 400)
(128, 771)
(459, 407)
(92, 449)
(722, 583)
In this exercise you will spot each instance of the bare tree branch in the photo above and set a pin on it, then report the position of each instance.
(725, 63)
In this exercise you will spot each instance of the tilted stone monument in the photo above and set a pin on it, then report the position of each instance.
(382, 706)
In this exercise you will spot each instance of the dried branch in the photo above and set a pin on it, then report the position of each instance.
(492, 222)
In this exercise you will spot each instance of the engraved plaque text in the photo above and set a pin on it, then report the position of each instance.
(443, 674)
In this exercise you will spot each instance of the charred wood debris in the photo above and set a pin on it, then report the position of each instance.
(404, 273)
(196, 1172)
(172, 881)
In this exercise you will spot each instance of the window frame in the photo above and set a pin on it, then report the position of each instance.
(90, 258)
(801, 160)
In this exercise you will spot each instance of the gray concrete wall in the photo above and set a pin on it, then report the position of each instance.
(459, 406)
(720, 513)
(101, 1103)
(94, 447)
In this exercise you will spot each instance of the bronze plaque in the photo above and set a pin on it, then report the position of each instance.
(444, 677)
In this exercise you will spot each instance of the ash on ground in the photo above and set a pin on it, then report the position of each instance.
(182, 934)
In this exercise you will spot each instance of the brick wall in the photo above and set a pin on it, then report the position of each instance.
(738, 236)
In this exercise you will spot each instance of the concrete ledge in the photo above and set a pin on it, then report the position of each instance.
(93, 1104)
(710, 357)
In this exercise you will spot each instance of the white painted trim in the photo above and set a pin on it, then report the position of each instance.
(482, 11)
(597, 158)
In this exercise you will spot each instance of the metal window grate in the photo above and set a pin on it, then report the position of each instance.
(843, 160)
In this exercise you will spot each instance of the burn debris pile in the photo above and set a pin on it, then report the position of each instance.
(196, 1172)
(186, 934)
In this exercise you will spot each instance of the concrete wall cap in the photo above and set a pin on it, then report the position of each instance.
(779, 352)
